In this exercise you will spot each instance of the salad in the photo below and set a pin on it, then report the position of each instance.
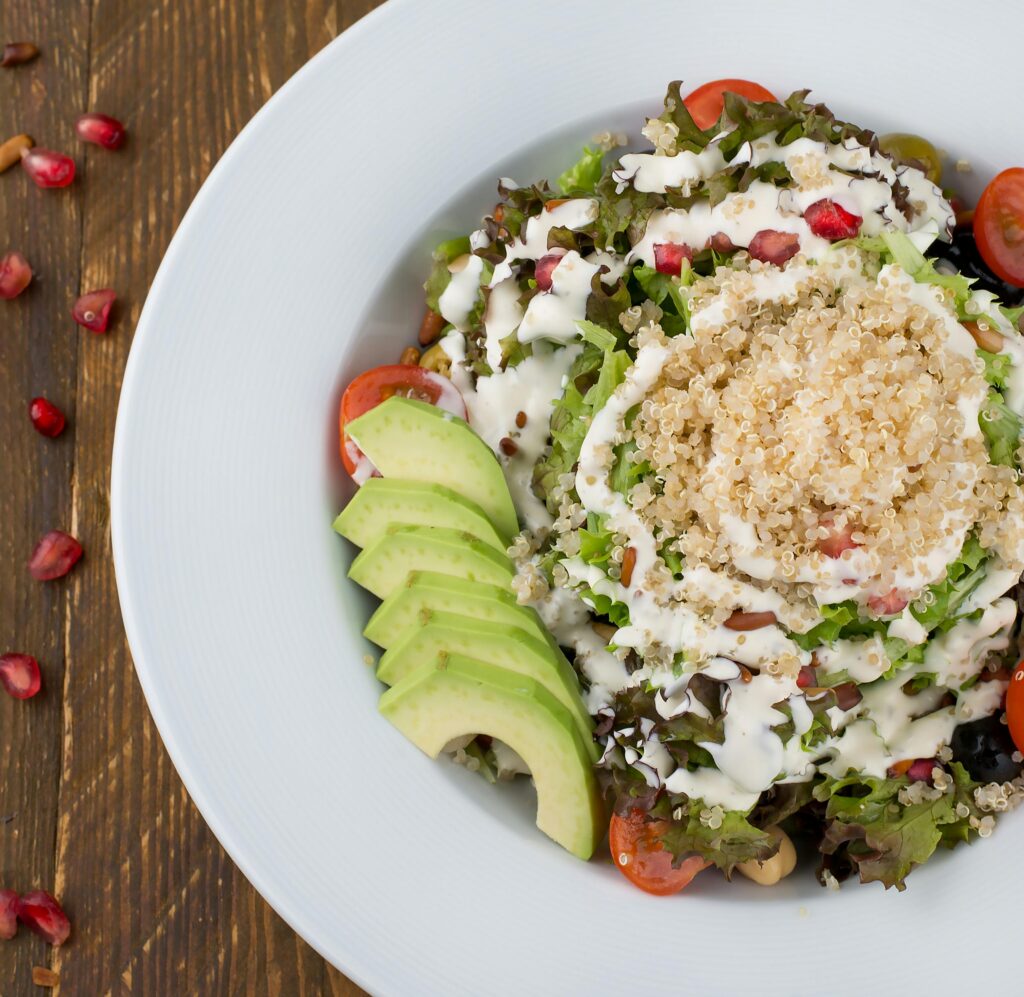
(702, 504)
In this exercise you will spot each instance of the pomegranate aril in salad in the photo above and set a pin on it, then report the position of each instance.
(15, 275)
(48, 168)
(55, 555)
(46, 417)
(770, 246)
(100, 129)
(92, 310)
(832, 221)
(20, 675)
(545, 268)
(41, 913)
(669, 256)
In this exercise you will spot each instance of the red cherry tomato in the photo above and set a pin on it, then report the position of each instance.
(705, 103)
(379, 384)
(1015, 706)
(999, 226)
(643, 860)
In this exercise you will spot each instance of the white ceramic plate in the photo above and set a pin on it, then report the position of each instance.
(299, 265)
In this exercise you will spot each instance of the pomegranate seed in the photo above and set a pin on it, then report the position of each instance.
(46, 417)
(18, 53)
(55, 555)
(669, 256)
(750, 621)
(546, 266)
(807, 677)
(15, 275)
(887, 605)
(19, 675)
(43, 915)
(847, 695)
(100, 129)
(840, 540)
(721, 244)
(93, 309)
(8, 914)
(770, 246)
(832, 221)
(48, 168)
(921, 770)
(508, 446)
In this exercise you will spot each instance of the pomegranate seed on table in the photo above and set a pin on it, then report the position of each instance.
(832, 221)
(669, 256)
(545, 267)
(48, 168)
(15, 275)
(771, 246)
(39, 912)
(100, 129)
(19, 675)
(55, 555)
(8, 914)
(46, 417)
(18, 53)
(92, 310)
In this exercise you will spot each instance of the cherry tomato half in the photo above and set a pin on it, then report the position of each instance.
(705, 103)
(1015, 706)
(999, 226)
(377, 385)
(643, 860)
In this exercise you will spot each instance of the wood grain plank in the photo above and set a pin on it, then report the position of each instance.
(38, 356)
(160, 909)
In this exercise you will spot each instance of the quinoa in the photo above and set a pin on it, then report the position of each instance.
(835, 407)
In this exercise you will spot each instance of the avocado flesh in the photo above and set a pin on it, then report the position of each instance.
(429, 591)
(414, 441)
(457, 695)
(383, 502)
(384, 566)
(496, 644)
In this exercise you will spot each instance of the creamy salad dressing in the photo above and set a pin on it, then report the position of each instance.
(817, 169)
(460, 296)
(888, 725)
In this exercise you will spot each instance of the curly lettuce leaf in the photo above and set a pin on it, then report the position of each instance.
(1001, 427)
(885, 839)
(997, 368)
(734, 841)
(583, 175)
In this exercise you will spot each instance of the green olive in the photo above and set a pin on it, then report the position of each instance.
(912, 150)
(437, 360)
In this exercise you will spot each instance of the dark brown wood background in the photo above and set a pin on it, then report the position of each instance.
(90, 806)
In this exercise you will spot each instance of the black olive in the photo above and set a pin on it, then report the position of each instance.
(985, 749)
(963, 253)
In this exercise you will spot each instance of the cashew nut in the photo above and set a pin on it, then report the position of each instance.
(779, 866)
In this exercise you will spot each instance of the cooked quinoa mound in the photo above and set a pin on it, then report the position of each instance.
(818, 402)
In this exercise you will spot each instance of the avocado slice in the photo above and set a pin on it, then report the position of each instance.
(384, 565)
(495, 643)
(429, 590)
(418, 442)
(457, 695)
(383, 502)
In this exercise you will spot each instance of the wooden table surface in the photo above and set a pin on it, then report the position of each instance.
(91, 808)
